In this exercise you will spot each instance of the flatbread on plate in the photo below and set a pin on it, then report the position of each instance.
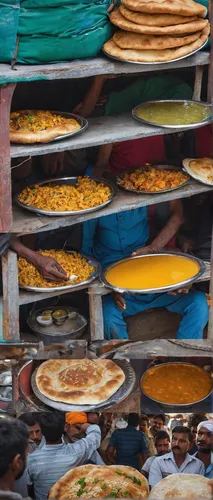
(136, 41)
(154, 19)
(185, 486)
(100, 481)
(180, 29)
(203, 167)
(178, 7)
(34, 126)
(150, 56)
(79, 381)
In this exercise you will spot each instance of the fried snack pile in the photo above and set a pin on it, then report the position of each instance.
(38, 120)
(73, 264)
(152, 179)
(87, 193)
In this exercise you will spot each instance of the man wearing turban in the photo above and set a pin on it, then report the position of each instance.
(204, 442)
(73, 432)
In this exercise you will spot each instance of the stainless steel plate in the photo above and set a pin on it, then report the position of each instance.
(68, 181)
(93, 276)
(192, 174)
(158, 167)
(156, 290)
(70, 326)
(156, 63)
(182, 127)
(81, 120)
(119, 396)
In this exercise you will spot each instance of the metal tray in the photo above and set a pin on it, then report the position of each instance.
(192, 174)
(69, 181)
(166, 405)
(182, 127)
(93, 262)
(70, 326)
(158, 167)
(80, 119)
(155, 290)
(156, 63)
(119, 396)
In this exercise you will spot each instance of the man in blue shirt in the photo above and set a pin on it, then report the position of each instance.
(129, 445)
(117, 236)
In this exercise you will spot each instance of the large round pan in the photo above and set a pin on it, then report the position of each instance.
(119, 396)
(70, 181)
(190, 171)
(93, 262)
(157, 167)
(163, 289)
(167, 405)
(185, 101)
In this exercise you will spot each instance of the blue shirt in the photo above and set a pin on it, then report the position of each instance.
(128, 443)
(114, 237)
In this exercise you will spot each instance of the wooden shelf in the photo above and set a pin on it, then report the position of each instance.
(91, 67)
(26, 222)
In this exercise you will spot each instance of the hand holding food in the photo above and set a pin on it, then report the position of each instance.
(49, 268)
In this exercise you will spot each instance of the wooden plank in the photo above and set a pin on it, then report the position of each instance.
(91, 67)
(11, 296)
(96, 315)
(27, 222)
(198, 83)
(6, 93)
(101, 130)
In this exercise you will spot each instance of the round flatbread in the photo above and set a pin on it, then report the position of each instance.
(154, 19)
(100, 481)
(180, 29)
(154, 42)
(150, 56)
(185, 486)
(34, 126)
(79, 381)
(178, 7)
(203, 167)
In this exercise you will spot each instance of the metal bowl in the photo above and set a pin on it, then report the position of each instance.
(70, 181)
(70, 330)
(183, 127)
(157, 167)
(163, 289)
(61, 319)
(167, 405)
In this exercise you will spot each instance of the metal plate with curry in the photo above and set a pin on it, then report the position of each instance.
(120, 179)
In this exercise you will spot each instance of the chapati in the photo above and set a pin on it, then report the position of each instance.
(203, 167)
(154, 42)
(178, 7)
(154, 19)
(185, 486)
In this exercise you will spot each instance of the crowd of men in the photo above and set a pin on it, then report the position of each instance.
(37, 449)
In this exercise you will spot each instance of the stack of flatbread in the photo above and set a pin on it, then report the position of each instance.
(157, 30)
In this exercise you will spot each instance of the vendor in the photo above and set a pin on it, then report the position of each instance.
(73, 432)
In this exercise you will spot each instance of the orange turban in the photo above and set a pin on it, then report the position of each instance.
(76, 418)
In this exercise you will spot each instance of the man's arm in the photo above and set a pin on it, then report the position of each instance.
(110, 453)
(155, 474)
(102, 160)
(90, 100)
(85, 447)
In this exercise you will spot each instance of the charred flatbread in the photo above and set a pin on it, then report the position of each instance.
(99, 481)
(185, 486)
(155, 19)
(178, 7)
(202, 167)
(150, 56)
(35, 126)
(79, 381)
(154, 42)
(180, 29)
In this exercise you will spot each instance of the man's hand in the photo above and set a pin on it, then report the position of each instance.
(53, 163)
(142, 251)
(187, 246)
(179, 291)
(119, 301)
(49, 268)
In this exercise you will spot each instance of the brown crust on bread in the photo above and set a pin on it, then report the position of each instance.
(154, 19)
(151, 42)
(178, 7)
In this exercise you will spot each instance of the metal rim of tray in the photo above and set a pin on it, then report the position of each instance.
(174, 404)
(157, 167)
(156, 63)
(192, 174)
(80, 119)
(35, 314)
(113, 189)
(204, 122)
(155, 290)
(120, 395)
(93, 262)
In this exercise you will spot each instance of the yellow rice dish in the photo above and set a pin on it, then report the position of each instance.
(152, 179)
(73, 264)
(87, 193)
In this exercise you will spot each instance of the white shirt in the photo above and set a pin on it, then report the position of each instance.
(166, 465)
(147, 465)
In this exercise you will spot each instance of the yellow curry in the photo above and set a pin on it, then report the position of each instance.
(174, 113)
(152, 271)
(176, 383)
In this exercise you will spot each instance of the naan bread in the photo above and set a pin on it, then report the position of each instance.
(154, 42)
(185, 486)
(150, 56)
(203, 167)
(155, 19)
(100, 481)
(180, 29)
(178, 7)
(79, 381)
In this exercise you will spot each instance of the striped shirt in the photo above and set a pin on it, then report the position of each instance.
(129, 443)
(48, 465)
(166, 465)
